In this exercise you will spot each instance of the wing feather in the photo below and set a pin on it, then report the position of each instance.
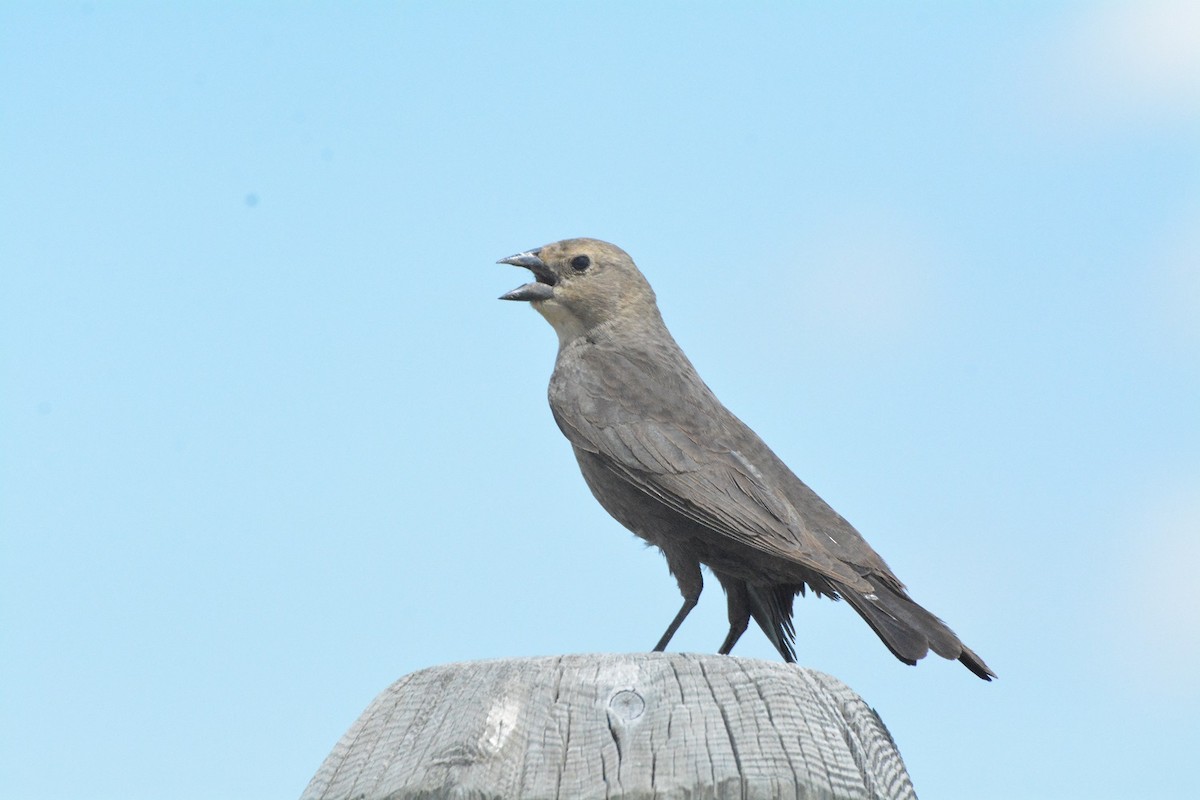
(695, 472)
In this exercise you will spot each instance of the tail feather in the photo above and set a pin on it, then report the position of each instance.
(910, 631)
(975, 664)
(771, 607)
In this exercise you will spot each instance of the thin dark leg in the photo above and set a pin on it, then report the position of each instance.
(735, 632)
(688, 604)
(691, 583)
(739, 611)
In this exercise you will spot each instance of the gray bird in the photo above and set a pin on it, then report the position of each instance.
(672, 464)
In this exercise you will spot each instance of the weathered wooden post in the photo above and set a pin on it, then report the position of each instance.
(645, 725)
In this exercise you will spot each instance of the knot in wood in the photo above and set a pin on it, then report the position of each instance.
(627, 704)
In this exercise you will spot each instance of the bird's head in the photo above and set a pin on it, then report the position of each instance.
(580, 284)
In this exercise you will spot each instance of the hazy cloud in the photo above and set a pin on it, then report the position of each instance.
(1132, 67)
(1132, 62)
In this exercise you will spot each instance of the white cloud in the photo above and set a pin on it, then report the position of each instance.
(1133, 66)
(1135, 61)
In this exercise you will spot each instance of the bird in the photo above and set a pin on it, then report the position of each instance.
(671, 463)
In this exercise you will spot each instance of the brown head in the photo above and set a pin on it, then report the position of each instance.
(580, 284)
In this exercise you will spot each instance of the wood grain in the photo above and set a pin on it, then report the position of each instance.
(644, 725)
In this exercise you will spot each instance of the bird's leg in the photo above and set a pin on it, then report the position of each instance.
(739, 611)
(691, 583)
(688, 604)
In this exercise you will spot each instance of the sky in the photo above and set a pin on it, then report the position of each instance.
(268, 441)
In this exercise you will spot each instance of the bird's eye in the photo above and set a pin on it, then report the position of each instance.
(580, 263)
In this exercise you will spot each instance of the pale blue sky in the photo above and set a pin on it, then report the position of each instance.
(269, 441)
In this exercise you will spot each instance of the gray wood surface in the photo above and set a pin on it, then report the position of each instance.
(643, 725)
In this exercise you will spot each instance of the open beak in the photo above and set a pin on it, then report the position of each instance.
(542, 288)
